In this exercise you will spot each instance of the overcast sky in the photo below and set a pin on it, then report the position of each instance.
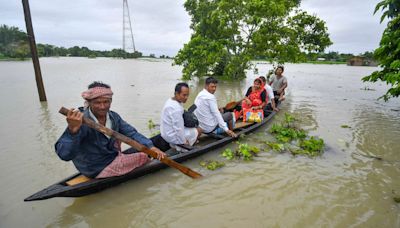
(162, 26)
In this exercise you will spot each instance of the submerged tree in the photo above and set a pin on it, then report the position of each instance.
(227, 34)
(388, 53)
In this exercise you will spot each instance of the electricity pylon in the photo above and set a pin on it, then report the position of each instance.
(128, 44)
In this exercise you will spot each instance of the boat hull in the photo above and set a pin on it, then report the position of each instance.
(61, 189)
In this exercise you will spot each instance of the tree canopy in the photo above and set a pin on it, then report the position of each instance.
(227, 34)
(13, 42)
(388, 53)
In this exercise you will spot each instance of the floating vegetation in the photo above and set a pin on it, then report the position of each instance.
(150, 124)
(212, 165)
(396, 199)
(312, 144)
(345, 126)
(289, 119)
(247, 151)
(286, 132)
(278, 147)
(228, 154)
(311, 147)
(242, 151)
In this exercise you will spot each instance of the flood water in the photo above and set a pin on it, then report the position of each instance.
(345, 187)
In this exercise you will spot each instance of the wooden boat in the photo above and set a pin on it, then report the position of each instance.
(78, 185)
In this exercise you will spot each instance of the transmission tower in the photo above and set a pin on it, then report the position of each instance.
(128, 44)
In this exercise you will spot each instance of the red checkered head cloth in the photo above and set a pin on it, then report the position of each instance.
(96, 92)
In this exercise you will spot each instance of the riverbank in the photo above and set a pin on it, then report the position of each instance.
(307, 62)
(13, 59)
(325, 62)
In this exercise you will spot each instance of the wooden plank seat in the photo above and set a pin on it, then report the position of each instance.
(77, 180)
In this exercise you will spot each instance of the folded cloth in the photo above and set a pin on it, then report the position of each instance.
(97, 92)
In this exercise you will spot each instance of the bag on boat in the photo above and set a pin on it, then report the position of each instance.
(189, 119)
(251, 116)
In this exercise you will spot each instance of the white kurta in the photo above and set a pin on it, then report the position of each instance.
(172, 126)
(207, 112)
(270, 92)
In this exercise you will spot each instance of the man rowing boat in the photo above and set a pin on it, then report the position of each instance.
(95, 154)
(271, 106)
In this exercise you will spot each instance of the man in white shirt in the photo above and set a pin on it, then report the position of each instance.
(172, 125)
(270, 93)
(207, 112)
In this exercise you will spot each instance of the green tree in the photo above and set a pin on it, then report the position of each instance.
(74, 51)
(368, 55)
(135, 54)
(118, 53)
(13, 42)
(388, 53)
(22, 50)
(227, 34)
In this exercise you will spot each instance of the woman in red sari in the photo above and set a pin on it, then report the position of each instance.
(256, 96)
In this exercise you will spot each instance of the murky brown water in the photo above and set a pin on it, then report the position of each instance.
(345, 187)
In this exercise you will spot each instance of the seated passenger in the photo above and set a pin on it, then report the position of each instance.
(172, 123)
(208, 114)
(270, 95)
(256, 96)
(279, 83)
(93, 153)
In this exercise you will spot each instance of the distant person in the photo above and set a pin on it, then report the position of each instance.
(93, 153)
(271, 106)
(207, 112)
(256, 96)
(172, 125)
(279, 83)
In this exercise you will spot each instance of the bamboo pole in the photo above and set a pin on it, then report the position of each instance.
(32, 44)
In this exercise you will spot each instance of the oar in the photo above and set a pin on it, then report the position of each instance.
(231, 105)
(134, 144)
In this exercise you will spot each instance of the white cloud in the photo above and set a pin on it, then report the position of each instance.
(352, 26)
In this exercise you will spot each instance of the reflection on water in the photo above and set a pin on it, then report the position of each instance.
(345, 187)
